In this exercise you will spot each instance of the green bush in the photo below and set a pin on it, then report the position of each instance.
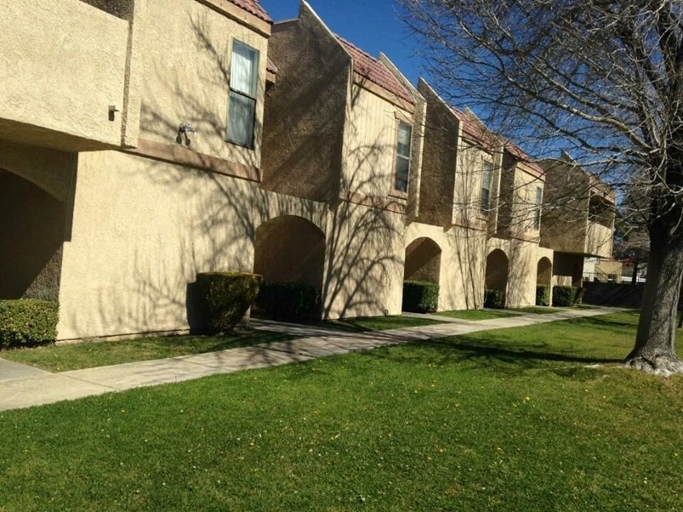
(564, 296)
(284, 300)
(494, 298)
(28, 322)
(542, 295)
(224, 297)
(420, 296)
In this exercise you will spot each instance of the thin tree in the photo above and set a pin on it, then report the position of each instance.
(601, 79)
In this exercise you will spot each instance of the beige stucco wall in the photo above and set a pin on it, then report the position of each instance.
(468, 183)
(186, 78)
(365, 251)
(51, 170)
(370, 136)
(523, 260)
(516, 202)
(141, 231)
(463, 259)
(305, 110)
(63, 64)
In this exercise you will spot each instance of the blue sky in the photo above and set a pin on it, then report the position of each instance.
(372, 25)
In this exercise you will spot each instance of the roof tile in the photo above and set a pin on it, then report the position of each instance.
(253, 7)
(372, 69)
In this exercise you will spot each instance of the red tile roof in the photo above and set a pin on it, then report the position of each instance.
(253, 7)
(372, 69)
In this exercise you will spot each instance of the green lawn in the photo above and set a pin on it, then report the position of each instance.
(508, 420)
(537, 310)
(477, 314)
(61, 358)
(378, 323)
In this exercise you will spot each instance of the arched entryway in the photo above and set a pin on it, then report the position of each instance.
(544, 276)
(32, 229)
(291, 249)
(497, 265)
(423, 261)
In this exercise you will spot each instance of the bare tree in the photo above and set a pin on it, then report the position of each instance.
(602, 79)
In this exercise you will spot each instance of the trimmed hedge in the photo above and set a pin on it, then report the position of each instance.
(285, 300)
(224, 297)
(28, 322)
(420, 296)
(542, 295)
(564, 296)
(494, 298)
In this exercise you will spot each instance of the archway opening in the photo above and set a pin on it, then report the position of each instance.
(497, 265)
(423, 261)
(289, 252)
(422, 265)
(544, 276)
(32, 228)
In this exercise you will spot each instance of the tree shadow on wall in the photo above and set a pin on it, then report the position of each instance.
(199, 218)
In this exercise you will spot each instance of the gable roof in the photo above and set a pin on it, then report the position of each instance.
(253, 7)
(376, 72)
(472, 126)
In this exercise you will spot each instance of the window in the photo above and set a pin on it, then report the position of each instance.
(537, 208)
(242, 106)
(486, 179)
(403, 157)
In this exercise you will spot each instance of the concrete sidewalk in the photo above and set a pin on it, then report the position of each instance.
(24, 386)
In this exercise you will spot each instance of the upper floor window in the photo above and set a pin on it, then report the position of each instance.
(537, 208)
(403, 156)
(242, 107)
(486, 180)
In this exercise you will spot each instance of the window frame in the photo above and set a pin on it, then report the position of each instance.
(251, 97)
(537, 208)
(398, 157)
(485, 207)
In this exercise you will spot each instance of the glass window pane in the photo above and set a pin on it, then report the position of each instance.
(243, 69)
(402, 169)
(404, 132)
(241, 115)
(484, 200)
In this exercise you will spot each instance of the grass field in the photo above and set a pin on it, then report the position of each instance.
(512, 420)
(477, 314)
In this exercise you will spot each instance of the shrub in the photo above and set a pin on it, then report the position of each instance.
(494, 298)
(564, 295)
(542, 295)
(28, 322)
(420, 296)
(224, 297)
(284, 300)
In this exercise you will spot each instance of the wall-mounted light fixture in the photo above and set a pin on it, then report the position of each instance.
(184, 131)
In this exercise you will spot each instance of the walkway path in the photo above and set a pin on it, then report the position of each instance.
(25, 386)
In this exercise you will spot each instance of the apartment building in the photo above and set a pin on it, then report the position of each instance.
(144, 141)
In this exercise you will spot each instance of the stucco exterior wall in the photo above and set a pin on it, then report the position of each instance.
(439, 160)
(468, 186)
(186, 74)
(523, 260)
(517, 201)
(463, 260)
(305, 110)
(64, 63)
(564, 221)
(365, 251)
(52, 171)
(142, 229)
(370, 138)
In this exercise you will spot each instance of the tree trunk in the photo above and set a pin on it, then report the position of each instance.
(654, 349)
(634, 276)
